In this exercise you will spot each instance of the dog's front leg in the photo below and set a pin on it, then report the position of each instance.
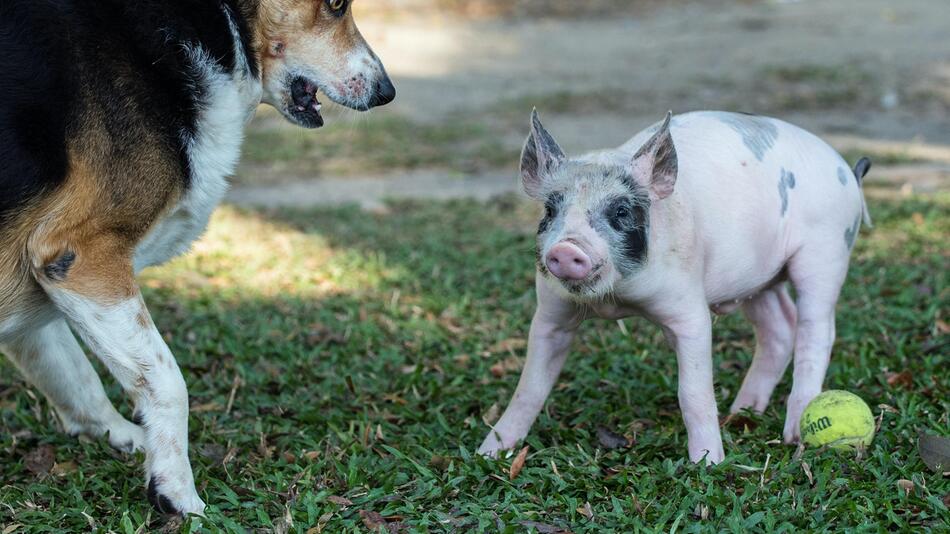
(52, 360)
(104, 306)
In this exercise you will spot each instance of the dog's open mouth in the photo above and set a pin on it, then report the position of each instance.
(304, 106)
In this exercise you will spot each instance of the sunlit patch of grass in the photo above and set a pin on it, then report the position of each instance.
(363, 349)
(245, 253)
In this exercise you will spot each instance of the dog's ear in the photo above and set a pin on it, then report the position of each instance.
(540, 157)
(655, 165)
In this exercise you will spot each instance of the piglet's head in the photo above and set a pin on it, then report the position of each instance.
(596, 222)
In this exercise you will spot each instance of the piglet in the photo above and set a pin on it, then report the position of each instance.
(705, 212)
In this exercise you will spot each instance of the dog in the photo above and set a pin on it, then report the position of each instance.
(120, 121)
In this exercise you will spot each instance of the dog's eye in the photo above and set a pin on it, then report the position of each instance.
(336, 5)
(622, 212)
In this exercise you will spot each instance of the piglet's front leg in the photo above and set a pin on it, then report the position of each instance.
(690, 334)
(552, 330)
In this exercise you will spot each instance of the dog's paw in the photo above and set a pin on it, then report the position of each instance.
(123, 435)
(126, 436)
(174, 499)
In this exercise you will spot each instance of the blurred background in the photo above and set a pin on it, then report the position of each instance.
(871, 76)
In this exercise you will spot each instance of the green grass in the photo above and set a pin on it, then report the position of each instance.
(362, 347)
(392, 142)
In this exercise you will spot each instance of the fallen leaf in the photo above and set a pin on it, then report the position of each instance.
(544, 528)
(342, 501)
(906, 485)
(508, 365)
(374, 521)
(946, 500)
(311, 455)
(206, 407)
(40, 460)
(439, 462)
(935, 452)
(918, 218)
(518, 464)
(807, 469)
(609, 439)
(11, 528)
(508, 345)
(740, 421)
(64, 468)
(586, 510)
(490, 416)
(943, 326)
(497, 370)
(213, 452)
(902, 379)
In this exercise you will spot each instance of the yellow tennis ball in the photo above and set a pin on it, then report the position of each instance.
(839, 419)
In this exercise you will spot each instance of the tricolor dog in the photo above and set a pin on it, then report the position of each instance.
(119, 123)
(707, 211)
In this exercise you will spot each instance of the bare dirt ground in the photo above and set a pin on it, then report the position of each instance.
(871, 76)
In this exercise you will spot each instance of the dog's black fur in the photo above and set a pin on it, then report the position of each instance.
(61, 57)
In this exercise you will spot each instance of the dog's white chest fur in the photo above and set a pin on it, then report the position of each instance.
(213, 153)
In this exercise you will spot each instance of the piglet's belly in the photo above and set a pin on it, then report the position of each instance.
(725, 296)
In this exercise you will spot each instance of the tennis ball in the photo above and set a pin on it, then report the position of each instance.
(839, 419)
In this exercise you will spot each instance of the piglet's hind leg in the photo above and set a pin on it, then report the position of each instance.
(773, 315)
(817, 282)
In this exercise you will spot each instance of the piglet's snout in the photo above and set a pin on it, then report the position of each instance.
(568, 262)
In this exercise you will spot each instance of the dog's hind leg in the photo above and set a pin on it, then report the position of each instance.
(89, 278)
(51, 359)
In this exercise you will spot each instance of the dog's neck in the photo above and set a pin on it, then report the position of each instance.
(250, 11)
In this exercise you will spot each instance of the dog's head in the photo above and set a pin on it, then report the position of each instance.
(308, 46)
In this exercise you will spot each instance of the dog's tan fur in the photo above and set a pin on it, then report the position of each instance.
(110, 199)
(131, 197)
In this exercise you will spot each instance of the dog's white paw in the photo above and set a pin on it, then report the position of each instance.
(123, 435)
(174, 497)
(126, 436)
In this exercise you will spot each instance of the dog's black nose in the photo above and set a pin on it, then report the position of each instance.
(385, 93)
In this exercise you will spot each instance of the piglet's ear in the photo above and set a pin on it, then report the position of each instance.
(540, 157)
(655, 164)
